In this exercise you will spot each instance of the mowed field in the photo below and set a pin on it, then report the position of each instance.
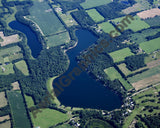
(45, 18)
(22, 66)
(114, 74)
(3, 101)
(18, 110)
(58, 39)
(94, 3)
(135, 25)
(150, 46)
(121, 54)
(145, 101)
(48, 117)
(95, 15)
(7, 124)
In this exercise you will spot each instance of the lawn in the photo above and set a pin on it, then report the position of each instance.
(135, 25)
(121, 54)
(146, 74)
(95, 15)
(114, 74)
(43, 15)
(48, 117)
(107, 27)
(94, 3)
(22, 66)
(151, 46)
(58, 39)
(6, 69)
(18, 110)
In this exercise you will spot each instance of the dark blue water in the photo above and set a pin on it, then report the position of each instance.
(32, 39)
(84, 91)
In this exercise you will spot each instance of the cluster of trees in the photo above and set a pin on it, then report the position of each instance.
(135, 62)
(112, 10)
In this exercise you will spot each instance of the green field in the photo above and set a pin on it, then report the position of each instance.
(43, 15)
(143, 100)
(48, 117)
(150, 58)
(136, 24)
(6, 69)
(151, 46)
(95, 15)
(97, 123)
(29, 101)
(107, 27)
(94, 3)
(18, 110)
(114, 74)
(58, 39)
(146, 74)
(121, 54)
(64, 126)
(22, 66)
(9, 51)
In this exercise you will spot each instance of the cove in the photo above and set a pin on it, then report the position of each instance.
(32, 39)
(84, 91)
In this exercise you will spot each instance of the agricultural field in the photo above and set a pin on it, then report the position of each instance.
(22, 66)
(52, 117)
(58, 39)
(107, 27)
(7, 124)
(139, 38)
(97, 123)
(146, 103)
(3, 101)
(135, 25)
(6, 69)
(94, 3)
(2, 118)
(15, 86)
(9, 51)
(42, 15)
(150, 46)
(95, 15)
(5, 40)
(121, 54)
(153, 21)
(126, 71)
(114, 74)
(18, 110)
(152, 57)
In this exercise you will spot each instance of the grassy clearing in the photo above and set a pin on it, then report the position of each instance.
(64, 126)
(43, 15)
(48, 117)
(107, 27)
(142, 100)
(22, 66)
(94, 3)
(18, 110)
(121, 54)
(146, 74)
(3, 101)
(6, 69)
(29, 101)
(136, 24)
(95, 15)
(114, 74)
(59, 39)
(7, 124)
(150, 46)
(10, 51)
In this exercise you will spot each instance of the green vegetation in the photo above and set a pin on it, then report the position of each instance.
(145, 102)
(9, 51)
(146, 74)
(121, 54)
(107, 27)
(18, 111)
(150, 46)
(43, 15)
(64, 126)
(29, 101)
(58, 39)
(48, 117)
(22, 66)
(95, 15)
(3, 101)
(96, 123)
(114, 74)
(94, 3)
(135, 25)
(152, 57)
(6, 69)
